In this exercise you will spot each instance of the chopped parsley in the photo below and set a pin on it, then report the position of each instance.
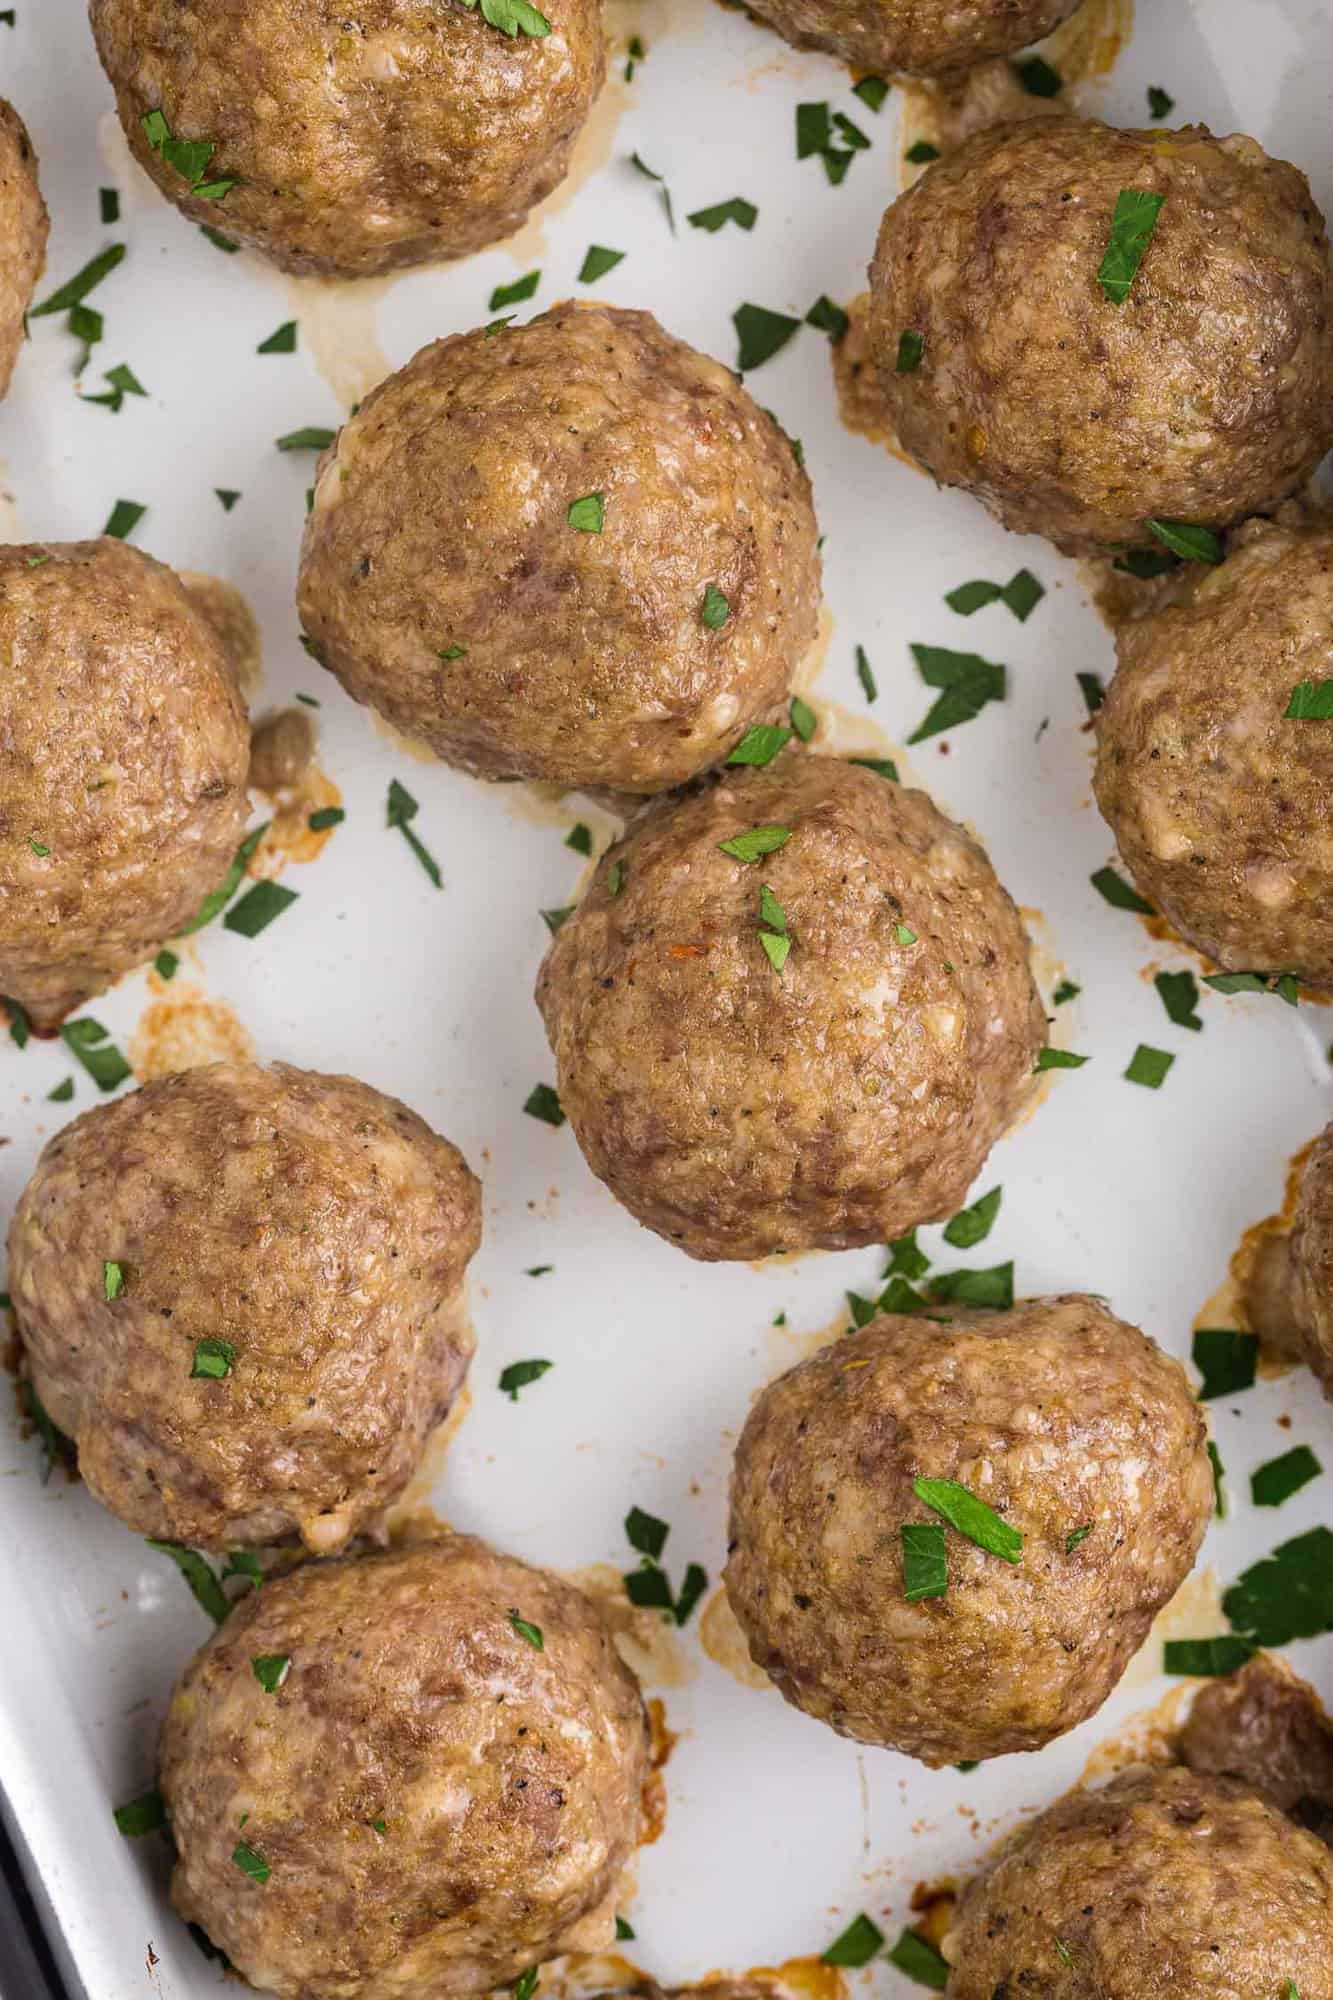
(1219, 1479)
(921, 153)
(855, 1946)
(1160, 105)
(828, 318)
(925, 1564)
(1075, 1536)
(973, 1225)
(641, 165)
(555, 919)
(310, 437)
(1206, 1657)
(967, 682)
(1311, 701)
(324, 817)
(1226, 1359)
(588, 514)
(542, 1102)
(281, 341)
(756, 842)
(62, 1092)
(189, 158)
(1132, 225)
(645, 1533)
(1179, 994)
(1093, 691)
(1038, 78)
(513, 17)
(199, 1575)
(760, 744)
(228, 495)
(212, 1359)
(525, 1985)
(250, 1863)
(218, 899)
(865, 674)
(623, 1930)
(86, 1040)
(872, 91)
(1286, 1595)
(883, 767)
(1115, 890)
(649, 1587)
(218, 240)
(1022, 594)
(993, 1287)
(911, 347)
(113, 1274)
(1148, 1066)
(773, 928)
(597, 261)
(519, 1373)
(715, 609)
(1057, 1059)
(146, 1814)
(1146, 564)
(761, 334)
(1066, 990)
(108, 203)
(400, 811)
(803, 718)
(1187, 540)
(1284, 984)
(918, 1958)
(258, 907)
(271, 1670)
(53, 1440)
(123, 382)
(512, 295)
(579, 837)
(743, 213)
(1279, 1478)
(971, 1517)
(124, 518)
(906, 1257)
(813, 130)
(635, 52)
(76, 289)
(527, 1630)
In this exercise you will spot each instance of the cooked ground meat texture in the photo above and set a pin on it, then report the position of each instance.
(23, 233)
(443, 583)
(920, 37)
(318, 1228)
(1059, 1417)
(1267, 1727)
(738, 1109)
(1206, 396)
(1310, 1268)
(126, 749)
(1222, 804)
(441, 1802)
(1166, 1882)
(359, 143)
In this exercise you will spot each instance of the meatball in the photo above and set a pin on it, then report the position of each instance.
(1290, 1293)
(1205, 396)
(350, 145)
(441, 1788)
(126, 750)
(239, 1292)
(1266, 1727)
(1166, 1882)
(1221, 803)
(572, 550)
(23, 232)
(814, 1049)
(1064, 1420)
(920, 37)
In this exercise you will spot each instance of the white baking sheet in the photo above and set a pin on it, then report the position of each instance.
(777, 1831)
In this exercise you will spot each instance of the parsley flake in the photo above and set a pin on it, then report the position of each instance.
(855, 1946)
(1038, 78)
(756, 842)
(968, 683)
(865, 674)
(761, 334)
(113, 1274)
(512, 295)
(400, 811)
(925, 1563)
(760, 744)
(87, 1040)
(250, 1863)
(971, 1517)
(527, 1630)
(1279, 1478)
(715, 609)
(588, 514)
(1132, 225)
(212, 1359)
(1160, 105)
(804, 721)
(1179, 994)
(146, 1814)
(519, 1373)
(123, 519)
(281, 341)
(1311, 701)
(1187, 540)
(918, 1958)
(1148, 1066)
(911, 347)
(743, 213)
(542, 1102)
(271, 1670)
(1115, 890)
(973, 1225)
(597, 261)
(1226, 1359)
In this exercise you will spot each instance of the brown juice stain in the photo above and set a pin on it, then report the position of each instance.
(182, 1028)
(662, 1741)
(233, 623)
(592, 151)
(933, 1905)
(410, 746)
(413, 1504)
(813, 1339)
(724, 1642)
(290, 836)
(650, 1648)
(340, 332)
(1195, 1612)
(808, 1978)
(1149, 1737)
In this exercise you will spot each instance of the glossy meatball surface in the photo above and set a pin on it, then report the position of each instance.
(738, 1108)
(1166, 1882)
(1059, 1417)
(312, 1234)
(126, 749)
(23, 233)
(445, 584)
(1221, 803)
(439, 1800)
(1310, 1289)
(1205, 396)
(921, 37)
(359, 139)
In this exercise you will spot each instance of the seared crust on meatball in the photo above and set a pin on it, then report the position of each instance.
(23, 233)
(1060, 1418)
(1164, 1883)
(1266, 1727)
(126, 750)
(440, 1800)
(1221, 804)
(444, 584)
(920, 37)
(1205, 396)
(1311, 1266)
(317, 1228)
(360, 141)
(739, 1109)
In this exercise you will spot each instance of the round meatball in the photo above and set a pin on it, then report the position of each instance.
(1166, 1882)
(1221, 803)
(572, 550)
(239, 1292)
(126, 751)
(814, 1049)
(414, 1774)
(1290, 1293)
(1205, 395)
(1068, 1423)
(23, 233)
(347, 144)
(920, 37)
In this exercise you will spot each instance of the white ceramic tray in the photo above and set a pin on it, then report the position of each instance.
(777, 1831)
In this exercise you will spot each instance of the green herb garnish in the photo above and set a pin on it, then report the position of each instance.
(588, 514)
(310, 437)
(87, 1040)
(1311, 701)
(1038, 78)
(1187, 540)
(1148, 1066)
(400, 811)
(124, 518)
(761, 334)
(1226, 1359)
(804, 721)
(760, 744)
(925, 1564)
(872, 91)
(113, 1275)
(519, 1373)
(855, 1946)
(968, 683)
(1115, 890)
(1160, 105)
(1179, 994)
(258, 907)
(743, 213)
(281, 341)
(1279, 1478)
(271, 1670)
(973, 1225)
(918, 1958)
(146, 1814)
(1075, 1536)
(1288, 1594)
(715, 609)
(512, 295)
(911, 347)
(1211, 1657)
(212, 1359)
(641, 166)
(970, 1516)
(865, 674)
(76, 289)
(754, 844)
(199, 1575)
(542, 1102)
(597, 261)
(921, 153)
(250, 1863)
(1057, 1059)
(1093, 691)
(1132, 225)
(527, 1630)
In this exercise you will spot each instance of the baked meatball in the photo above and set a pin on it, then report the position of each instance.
(1166, 1882)
(921, 37)
(739, 1102)
(1068, 1423)
(1221, 803)
(624, 644)
(23, 233)
(1205, 396)
(125, 755)
(1290, 1294)
(238, 1289)
(441, 1790)
(1268, 1728)
(352, 142)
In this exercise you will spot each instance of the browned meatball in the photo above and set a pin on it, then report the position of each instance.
(1068, 1423)
(1205, 396)
(1266, 1727)
(1221, 803)
(445, 583)
(739, 1107)
(1165, 1883)
(238, 1289)
(1290, 1293)
(126, 750)
(23, 233)
(441, 1791)
(922, 37)
(358, 140)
